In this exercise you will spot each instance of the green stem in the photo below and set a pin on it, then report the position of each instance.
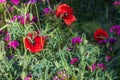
(4, 27)
(37, 14)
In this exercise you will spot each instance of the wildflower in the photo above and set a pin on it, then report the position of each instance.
(116, 3)
(34, 19)
(2, 1)
(76, 40)
(66, 12)
(46, 10)
(108, 57)
(102, 66)
(14, 44)
(112, 40)
(14, 18)
(115, 29)
(100, 34)
(11, 9)
(29, 77)
(103, 41)
(61, 75)
(56, 78)
(74, 60)
(31, 2)
(16, 2)
(7, 38)
(23, 19)
(33, 42)
(92, 68)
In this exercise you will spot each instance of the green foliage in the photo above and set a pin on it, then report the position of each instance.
(55, 56)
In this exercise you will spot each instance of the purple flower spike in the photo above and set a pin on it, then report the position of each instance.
(74, 60)
(14, 44)
(76, 40)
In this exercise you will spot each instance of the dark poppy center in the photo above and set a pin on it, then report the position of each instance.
(65, 14)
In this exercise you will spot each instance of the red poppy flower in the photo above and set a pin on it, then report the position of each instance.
(100, 34)
(66, 12)
(33, 42)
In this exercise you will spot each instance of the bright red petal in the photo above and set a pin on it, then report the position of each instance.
(38, 46)
(70, 20)
(100, 33)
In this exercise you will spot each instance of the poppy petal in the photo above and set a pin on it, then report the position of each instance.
(70, 21)
(37, 46)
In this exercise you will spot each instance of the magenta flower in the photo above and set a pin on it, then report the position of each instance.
(11, 9)
(108, 58)
(102, 41)
(116, 3)
(16, 2)
(56, 78)
(31, 2)
(102, 66)
(93, 67)
(76, 40)
(46, 10)
(14, 44)
(34, 19)
(7, 38)
(2, 1)
(115, 29)
(23, 19)
(14, 18)
(29, 77)
(61, 75)
(74, 60)
(112, 40)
